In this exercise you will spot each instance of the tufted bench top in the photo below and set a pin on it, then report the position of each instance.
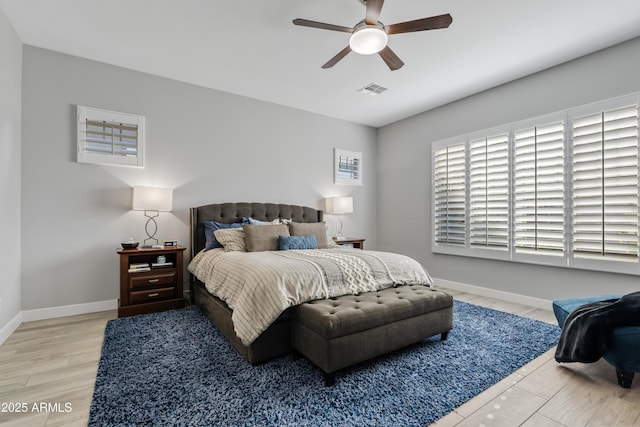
(345, 315)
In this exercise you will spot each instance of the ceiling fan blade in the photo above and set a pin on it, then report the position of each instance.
(373, 11)
(390, 58)
(322, 25)
(432, 23)
(333, 61)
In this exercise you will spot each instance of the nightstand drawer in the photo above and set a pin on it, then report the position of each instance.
(148, 281)
(138, 297)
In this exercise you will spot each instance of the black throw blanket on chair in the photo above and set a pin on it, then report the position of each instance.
(588, 331)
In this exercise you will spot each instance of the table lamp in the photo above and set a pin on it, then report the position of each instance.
(339, 206)
(151, 200)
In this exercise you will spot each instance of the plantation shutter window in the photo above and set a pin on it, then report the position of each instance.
(450, 194)
(118, 139)
(110, 138)
(561, 189)
(539, 225)
(605, 184)
(489, 192)
(347, 167)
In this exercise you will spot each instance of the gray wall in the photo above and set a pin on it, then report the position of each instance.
(214, 147)
(207, 145)
(404, 153)
(10, 116)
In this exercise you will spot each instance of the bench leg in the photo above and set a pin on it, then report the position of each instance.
(624, 378)
(329, 379)
(444, 335)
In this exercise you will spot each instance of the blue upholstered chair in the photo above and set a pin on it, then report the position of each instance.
(625, 353)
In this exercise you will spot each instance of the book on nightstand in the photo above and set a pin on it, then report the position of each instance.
(142, 266)
(161, 264)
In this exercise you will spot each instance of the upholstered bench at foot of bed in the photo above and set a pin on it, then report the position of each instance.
(339, 332)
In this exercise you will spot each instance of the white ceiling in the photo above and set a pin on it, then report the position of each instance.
(251, 47)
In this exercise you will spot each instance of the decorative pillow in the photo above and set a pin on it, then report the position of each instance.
(263, 237)
(318, 229)
(250, 220)
(286, 243)
(232, 239)
(210, 227)
(258, 222)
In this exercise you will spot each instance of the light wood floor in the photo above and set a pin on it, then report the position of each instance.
(55, 362)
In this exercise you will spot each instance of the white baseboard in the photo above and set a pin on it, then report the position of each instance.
(505, 296)
(68, 310)
(10, 327)
(72, 310)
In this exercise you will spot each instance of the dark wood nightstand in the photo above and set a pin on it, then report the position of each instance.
(350, 241)
(156, 287)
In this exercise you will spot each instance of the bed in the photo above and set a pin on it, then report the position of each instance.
(275, 341)
(319, 274)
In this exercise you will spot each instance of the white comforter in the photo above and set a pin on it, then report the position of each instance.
(259, 286)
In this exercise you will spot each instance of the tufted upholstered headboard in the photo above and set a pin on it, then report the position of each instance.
(233, 212)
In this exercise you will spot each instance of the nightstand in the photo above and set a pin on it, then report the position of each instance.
(350, 241)
(147, 286)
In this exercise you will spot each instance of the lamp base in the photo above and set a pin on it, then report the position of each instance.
(340, 235)
(152, 215)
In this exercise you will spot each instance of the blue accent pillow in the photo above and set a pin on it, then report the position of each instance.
(297, 242)
(250, 220)
(210, 238)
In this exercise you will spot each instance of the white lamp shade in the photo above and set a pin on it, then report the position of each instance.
(338, 205)
(152, 199)
(368, 40)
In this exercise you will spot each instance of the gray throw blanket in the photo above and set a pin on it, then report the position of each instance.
(588, 331)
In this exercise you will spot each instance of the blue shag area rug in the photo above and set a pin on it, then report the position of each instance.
(174, 368)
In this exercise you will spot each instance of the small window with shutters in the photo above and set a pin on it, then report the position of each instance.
(110, 137)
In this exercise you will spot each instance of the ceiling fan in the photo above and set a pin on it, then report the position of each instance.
(370, 36)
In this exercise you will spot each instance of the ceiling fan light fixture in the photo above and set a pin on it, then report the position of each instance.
(368, 39)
